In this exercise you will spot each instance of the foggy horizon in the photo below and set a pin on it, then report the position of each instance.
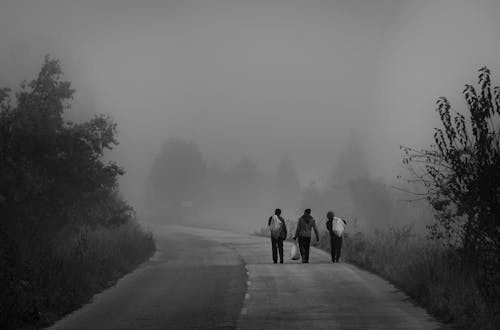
(260, 79)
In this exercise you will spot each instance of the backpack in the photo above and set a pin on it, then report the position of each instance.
(275, 226)
(338, 226)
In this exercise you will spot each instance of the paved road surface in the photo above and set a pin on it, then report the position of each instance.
(206, 279)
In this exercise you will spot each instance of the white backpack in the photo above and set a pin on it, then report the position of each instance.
(338, 226)
(275, 226)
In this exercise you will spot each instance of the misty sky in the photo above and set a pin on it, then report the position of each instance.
(257, 78)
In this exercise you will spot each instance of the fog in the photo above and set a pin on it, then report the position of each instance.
(334, 87)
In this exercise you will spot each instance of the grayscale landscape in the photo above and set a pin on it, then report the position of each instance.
(145, 148)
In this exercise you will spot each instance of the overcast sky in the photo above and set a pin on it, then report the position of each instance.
(257, 78)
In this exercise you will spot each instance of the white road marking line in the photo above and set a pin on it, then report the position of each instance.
(244, 310)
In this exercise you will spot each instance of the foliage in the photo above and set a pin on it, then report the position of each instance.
(50, 167)
(461, 173)
(52, 180)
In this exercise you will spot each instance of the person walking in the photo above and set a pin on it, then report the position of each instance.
(303, 233)
(277, 227)
(335, 227)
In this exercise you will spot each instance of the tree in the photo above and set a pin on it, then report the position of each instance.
(313, 198)
(374, 202)
(287, 190)
(461, 174)
(242, 182)
(351, 163)
(52, 177)
(49, 167)
(177, 178)
(348, 173)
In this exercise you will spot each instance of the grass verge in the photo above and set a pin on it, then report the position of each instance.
(66, 274)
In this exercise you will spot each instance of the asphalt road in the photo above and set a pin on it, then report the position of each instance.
(207, 279)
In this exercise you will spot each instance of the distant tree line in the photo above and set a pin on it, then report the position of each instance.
(55, 189)
(183, 187)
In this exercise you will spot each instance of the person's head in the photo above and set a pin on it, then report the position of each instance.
(330, 215)
(277, 211)
(307, 211)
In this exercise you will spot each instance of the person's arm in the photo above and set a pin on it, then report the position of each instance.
(316, 230)
(297, 230)
(284, 229)
(329, 225)
(269, 221)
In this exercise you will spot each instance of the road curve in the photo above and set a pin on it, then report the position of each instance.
(207, 279)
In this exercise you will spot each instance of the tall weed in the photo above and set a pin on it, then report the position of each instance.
(430, 273)
(58, 277)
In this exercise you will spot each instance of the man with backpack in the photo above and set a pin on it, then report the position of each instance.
(277, 227)
(335, 227)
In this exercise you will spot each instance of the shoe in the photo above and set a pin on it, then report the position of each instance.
(281, 261)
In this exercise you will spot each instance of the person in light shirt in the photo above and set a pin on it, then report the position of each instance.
(335, 227)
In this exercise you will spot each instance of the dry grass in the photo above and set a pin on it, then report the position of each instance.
(431, 274)
(61, 276)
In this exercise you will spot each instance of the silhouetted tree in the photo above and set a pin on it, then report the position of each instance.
(461, 172)
(49, 167)
(52, 176)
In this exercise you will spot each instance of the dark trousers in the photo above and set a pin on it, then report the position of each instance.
(304, 244)
(335, 246)
(277, 245)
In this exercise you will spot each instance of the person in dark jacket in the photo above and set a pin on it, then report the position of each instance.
(277, 227)
(335, 227)
(303, 233)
